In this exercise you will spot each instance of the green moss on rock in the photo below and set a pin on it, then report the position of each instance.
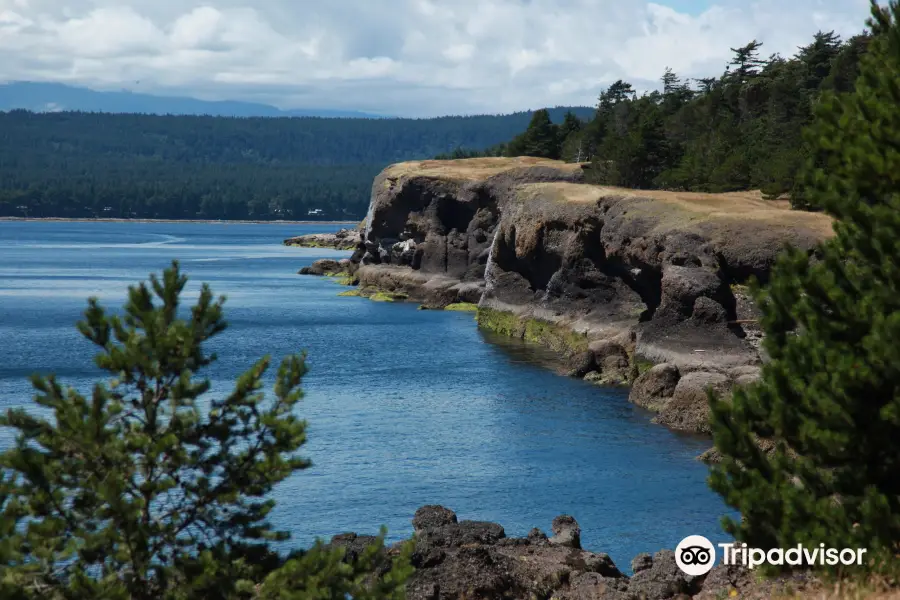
(350, 293)
(462, 307)
(639, 366)
(558, 337)
(562, 339)
(381, 297)
(384, 296)
(499, 321)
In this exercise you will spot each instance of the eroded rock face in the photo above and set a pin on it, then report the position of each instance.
(662, 579)
(441, 225)
(688, 410)
(612, 280)
(475, 560)
(655, 388)
(326, 266)
(432, 516)
(566, 532)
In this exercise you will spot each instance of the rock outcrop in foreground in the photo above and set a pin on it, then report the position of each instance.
(630, 287)
(476, 561)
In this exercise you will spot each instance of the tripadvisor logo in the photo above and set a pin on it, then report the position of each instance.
(696, 555)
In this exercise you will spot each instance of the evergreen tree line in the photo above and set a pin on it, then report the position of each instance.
(147, 166)
(740, 130)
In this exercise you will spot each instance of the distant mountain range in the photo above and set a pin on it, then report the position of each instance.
(57, 97)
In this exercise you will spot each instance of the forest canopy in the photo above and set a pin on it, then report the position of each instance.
(192, 167)
(740, 130)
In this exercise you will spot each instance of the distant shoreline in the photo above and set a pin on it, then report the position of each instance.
(210, 221)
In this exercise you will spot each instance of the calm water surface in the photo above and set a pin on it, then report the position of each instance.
(405, 407)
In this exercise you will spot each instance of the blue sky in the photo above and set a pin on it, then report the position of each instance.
(401, 57)
(691, 7)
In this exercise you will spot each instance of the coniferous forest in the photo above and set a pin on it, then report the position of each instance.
(740, 130)
(191, 167)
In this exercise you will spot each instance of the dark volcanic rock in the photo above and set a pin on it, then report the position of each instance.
(464, 532)
(662, 580)
(473, 559)
(688, 410)
(582, 363)
(641, 562)
(468, 572)
(536, 536)
(613, 360)
(654, 389)
(566, 532)
(324, 266)
(345, 239)
(593, 586)
(432, 516)
(682, 287)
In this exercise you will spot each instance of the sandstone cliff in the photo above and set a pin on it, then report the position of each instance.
(618, 281)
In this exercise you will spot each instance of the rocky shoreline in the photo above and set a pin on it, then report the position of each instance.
(475, 560)
(647, 289)
(345, 239)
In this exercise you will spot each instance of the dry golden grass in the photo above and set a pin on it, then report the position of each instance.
(732, 212)
(473, 168)
(684, 207)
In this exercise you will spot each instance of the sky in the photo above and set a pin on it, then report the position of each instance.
(414, 58)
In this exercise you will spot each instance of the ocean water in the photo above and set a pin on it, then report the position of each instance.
(405, 407)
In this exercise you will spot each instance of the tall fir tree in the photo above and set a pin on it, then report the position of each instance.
(746, 59)
(541, 139)
(151, 488)
(828, 403)
(818, 57)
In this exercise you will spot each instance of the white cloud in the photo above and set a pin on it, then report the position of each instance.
(197, 29)
(404, 57)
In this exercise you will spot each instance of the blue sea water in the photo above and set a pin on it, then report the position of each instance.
(405, 407)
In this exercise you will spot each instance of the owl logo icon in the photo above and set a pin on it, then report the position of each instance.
(695, 555)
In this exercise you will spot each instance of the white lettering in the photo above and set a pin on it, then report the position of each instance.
(794, 552)
(757, 557)
(739, 553)
(726, 554)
